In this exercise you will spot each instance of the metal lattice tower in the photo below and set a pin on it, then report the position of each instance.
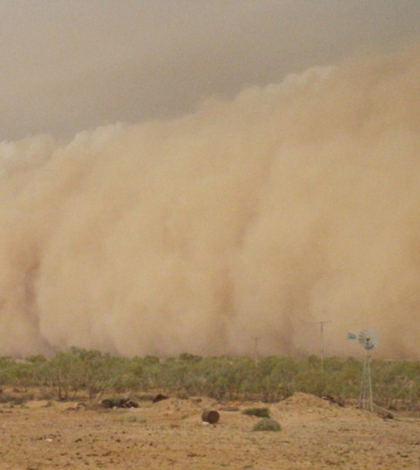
(366, 395)
(368, 339)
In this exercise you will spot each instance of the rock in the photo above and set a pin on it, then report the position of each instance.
(159, 397)
(334, 401)
(118, 403)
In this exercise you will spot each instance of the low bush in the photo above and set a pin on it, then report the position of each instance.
(267, 424)
(258, 412)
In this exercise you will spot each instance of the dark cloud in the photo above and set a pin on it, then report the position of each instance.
(70, 65)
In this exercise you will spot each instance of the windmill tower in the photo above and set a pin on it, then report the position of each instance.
(368, 339)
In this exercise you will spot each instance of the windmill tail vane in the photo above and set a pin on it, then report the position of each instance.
(351, 335)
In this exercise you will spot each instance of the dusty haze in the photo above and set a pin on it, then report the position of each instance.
(292, 203)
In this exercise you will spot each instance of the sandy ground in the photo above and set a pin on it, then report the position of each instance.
(170, 435)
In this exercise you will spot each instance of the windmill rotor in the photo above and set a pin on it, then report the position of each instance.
(368, 339)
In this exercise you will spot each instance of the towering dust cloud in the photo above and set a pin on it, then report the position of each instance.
(293, 203)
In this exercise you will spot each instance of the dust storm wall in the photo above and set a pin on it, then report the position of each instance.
(249, 218)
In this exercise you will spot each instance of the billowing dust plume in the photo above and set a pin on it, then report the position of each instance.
(294, 203)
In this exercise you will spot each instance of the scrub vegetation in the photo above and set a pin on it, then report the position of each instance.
(80, 372)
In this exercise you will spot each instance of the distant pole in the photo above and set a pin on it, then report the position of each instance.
(321, 324)
(256, 340)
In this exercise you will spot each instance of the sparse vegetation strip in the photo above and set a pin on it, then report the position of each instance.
(78, 371)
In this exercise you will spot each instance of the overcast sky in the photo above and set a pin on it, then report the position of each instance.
(69, 65)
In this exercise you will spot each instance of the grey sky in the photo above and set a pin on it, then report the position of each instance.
(68, 65)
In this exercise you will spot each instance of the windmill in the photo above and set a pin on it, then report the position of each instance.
(368, 339)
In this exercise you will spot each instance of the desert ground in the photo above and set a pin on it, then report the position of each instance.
(170, 434)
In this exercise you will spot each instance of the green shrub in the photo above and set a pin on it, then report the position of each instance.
(267, 424)
(258, 412)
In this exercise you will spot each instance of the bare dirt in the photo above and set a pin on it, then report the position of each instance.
(171, 435)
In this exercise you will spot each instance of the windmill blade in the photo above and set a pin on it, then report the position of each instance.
(368, 339)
